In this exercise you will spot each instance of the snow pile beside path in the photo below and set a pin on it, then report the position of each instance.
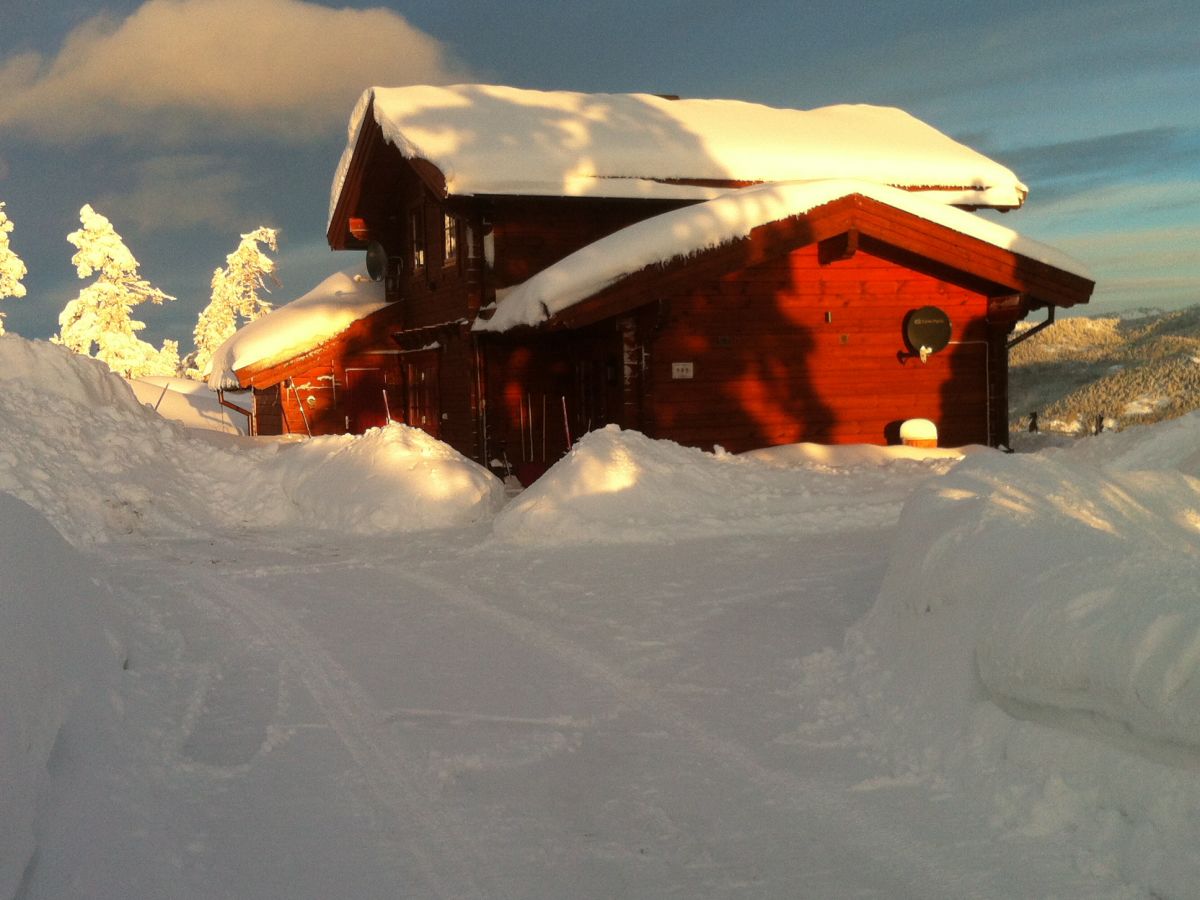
(1054, 562)
(1168, 445)
(620, 486)
(1063, 593)
(843, 456)
(53, 655)
(390, 479)
(76, 445)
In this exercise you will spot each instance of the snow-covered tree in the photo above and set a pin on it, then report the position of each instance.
(12, 270)
(101, 316)
(235, 295)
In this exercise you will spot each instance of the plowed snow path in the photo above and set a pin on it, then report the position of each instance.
(456, 718)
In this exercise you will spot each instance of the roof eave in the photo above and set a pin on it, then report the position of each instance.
(344, 223)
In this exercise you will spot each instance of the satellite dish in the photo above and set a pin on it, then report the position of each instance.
(926, 330)
(376, 261)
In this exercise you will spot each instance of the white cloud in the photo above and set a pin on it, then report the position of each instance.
(175, 66)
(177, 192)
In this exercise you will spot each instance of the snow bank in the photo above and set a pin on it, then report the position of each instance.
(328, 309)
(1059, 587)
(52, 656)
(620, 486)
(692, 229)
(489, 139)
(390, 479)
(77, 445)
(1068, 574)
(1168, 445)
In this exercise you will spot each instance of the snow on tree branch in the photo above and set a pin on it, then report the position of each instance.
(12, 269)
(235, 295)
(101, 316)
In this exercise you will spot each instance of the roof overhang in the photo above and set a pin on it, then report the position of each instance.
(371, 159)
(359, 336)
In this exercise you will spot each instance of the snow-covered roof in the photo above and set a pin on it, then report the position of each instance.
(733, 215)
(489, 139)
(328, 309)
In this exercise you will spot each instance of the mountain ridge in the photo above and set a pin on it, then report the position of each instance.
(1136, 368)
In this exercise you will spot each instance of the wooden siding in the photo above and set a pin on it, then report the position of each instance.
(792, 350)
(458, 410)
(332, 395)
(531, 233)
(547, 390)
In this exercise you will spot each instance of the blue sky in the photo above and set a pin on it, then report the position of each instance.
(187, 122)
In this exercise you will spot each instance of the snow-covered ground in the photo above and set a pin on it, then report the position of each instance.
(347, 667)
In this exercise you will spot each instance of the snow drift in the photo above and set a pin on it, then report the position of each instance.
(621, 486)
(1101, 618)
(76, 444)
(54, 654)
(1037, 632)
(390, 479)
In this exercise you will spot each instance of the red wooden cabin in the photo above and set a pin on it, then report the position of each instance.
(491, 215)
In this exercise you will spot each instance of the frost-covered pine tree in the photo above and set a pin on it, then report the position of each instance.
(12, 269)
(235, 295)
(101, 316)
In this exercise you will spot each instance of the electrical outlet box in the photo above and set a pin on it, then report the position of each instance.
(681, 370)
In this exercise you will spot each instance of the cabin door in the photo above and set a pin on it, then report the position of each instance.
(370, 400)
(268, 411)
(598, 397)
(421, 402)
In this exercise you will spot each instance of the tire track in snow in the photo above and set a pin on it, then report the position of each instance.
(911, 861)
(443, 849)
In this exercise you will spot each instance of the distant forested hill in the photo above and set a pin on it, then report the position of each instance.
(1132, 370)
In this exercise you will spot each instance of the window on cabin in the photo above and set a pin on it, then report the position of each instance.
(450, 243)
(417, 227)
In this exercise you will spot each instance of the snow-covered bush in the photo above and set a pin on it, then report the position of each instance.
(100, 316)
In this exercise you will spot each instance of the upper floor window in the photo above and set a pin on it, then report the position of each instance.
(417, 227)
(450, 243)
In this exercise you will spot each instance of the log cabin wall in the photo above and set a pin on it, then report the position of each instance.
(437, 301)
(531, 233)
(437, 293)
(332, 394)
(546, 390)
(438, 373)
(433, 284)
(795, 350)
(335, 387)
